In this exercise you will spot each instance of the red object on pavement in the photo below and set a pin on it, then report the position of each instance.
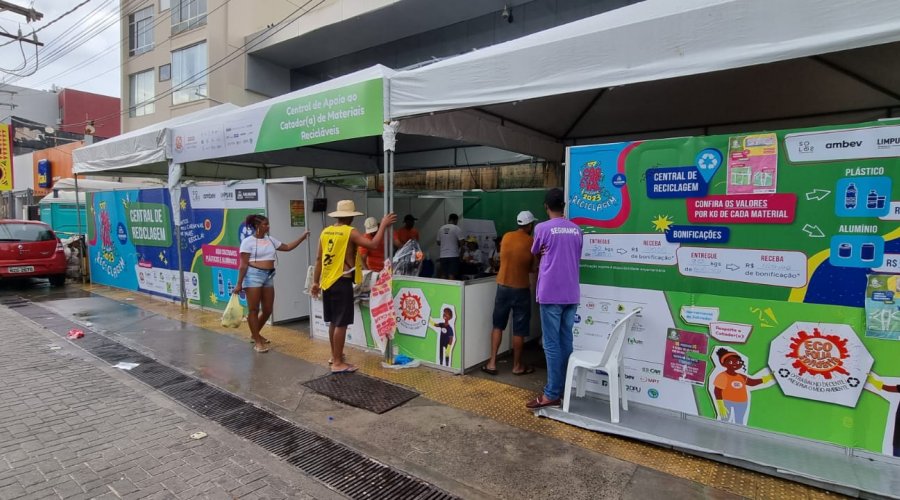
(75, 333)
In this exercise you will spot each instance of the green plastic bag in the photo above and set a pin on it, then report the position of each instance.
(233, 314)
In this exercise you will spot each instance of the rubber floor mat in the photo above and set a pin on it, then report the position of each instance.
(361, 391)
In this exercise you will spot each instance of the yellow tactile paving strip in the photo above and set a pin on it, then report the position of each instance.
(500, 402)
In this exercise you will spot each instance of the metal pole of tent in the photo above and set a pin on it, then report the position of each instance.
(390, 236)
(174, 184)
(388, 244)
(82, 248)
(178, 251)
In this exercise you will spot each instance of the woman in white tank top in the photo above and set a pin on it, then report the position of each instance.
(257, 274)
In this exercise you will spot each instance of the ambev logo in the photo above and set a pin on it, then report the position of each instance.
(843, 144)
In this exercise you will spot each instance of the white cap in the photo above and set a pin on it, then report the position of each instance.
(524, 218)
(371, 225)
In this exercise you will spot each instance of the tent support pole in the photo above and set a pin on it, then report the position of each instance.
(176, 171)
(81, 246)
(388, 240)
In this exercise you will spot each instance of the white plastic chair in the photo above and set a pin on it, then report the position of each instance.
(609, 361)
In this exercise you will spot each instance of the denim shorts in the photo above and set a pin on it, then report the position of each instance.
(517, 300)
(257, 278)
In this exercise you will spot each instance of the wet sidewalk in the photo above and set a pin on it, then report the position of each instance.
(72, 428)
(470, 436)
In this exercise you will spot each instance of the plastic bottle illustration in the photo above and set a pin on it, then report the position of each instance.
(850, 196)
(220, 281)
(872, 199)
(230, 287)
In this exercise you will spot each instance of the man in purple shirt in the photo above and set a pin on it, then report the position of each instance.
(557, 243)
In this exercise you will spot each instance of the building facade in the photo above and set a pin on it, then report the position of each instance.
(184, 55)
(89, 113)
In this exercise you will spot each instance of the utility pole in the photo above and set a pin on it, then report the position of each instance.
(29, 14)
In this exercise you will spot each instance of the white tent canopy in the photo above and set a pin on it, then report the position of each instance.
(93, 185)
(685, 65)
(140, 152)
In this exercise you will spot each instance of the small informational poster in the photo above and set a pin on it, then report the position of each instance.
(752, 164)
(298, 214)
(381, 307)
(682, 356)
(882, 307)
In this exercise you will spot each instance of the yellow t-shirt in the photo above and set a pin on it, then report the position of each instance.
(334, 242)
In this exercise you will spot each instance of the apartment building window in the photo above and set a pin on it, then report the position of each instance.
(163, 5)
(165, 72)
(189, 74)
(141, 93)
(140, 31)
(187, 14)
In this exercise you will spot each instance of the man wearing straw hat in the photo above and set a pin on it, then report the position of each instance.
(338, 267)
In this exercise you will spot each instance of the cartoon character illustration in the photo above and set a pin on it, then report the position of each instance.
(891, 392)
(731, 389)
(446, 338)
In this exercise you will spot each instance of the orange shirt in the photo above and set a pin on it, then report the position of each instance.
(733, 387)
(403, 235)
(515, 259)
(374, 258)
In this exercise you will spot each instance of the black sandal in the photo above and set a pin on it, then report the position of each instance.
(526, 371)
(487, 370)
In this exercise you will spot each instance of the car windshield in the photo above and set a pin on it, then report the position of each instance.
(25, 232)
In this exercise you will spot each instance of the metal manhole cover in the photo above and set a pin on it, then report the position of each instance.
(361, 391)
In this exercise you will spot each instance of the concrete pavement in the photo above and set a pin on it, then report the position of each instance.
(72, 428)
(473, 455)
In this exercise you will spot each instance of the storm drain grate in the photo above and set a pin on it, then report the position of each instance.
(14, 302)
(203, 398)
(337, 466)
(361, 391)
(156, 375)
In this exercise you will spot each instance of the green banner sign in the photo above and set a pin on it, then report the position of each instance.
(345, 113)
(148, 224)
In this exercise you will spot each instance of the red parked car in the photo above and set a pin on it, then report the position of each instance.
(30, 249)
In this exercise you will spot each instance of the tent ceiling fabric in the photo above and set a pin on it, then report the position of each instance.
(690, 63)
(820, 85)
(142, 151)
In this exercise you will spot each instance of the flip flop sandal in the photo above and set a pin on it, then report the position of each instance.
(526, 371)
(343, 358)
(260, 350)
(487, 370)
(253, 341)
(538, 402)
(349, 369)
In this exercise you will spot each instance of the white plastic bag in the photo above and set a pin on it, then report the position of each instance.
(234, 313)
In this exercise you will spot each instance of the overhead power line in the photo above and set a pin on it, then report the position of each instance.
(73, 9)
(221, 63)
(27, 12)
(74, 38)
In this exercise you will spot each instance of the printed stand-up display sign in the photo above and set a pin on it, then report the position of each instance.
(425, 312)
(767, 268)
